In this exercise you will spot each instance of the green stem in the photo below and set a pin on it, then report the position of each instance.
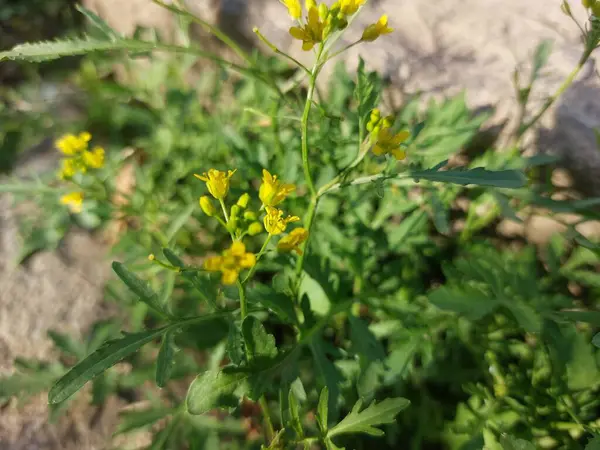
(269, 430)
(224, 210)
(305, 115)
(258, 256)
(562, 88)
(308, 223)
(243, 300)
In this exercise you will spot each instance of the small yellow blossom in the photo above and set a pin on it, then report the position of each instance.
(348, 7)
(310, 4)
(206, 205)
(151, 257)
(294, 8)
(274, 221)
(255, 228)
(377, 29)
(292, 241)
(387, 142)
(74, 200)
(311, 33)
(231, 263)
(68, 169)
(272, 191)
(70, 144)
(217, 182)
(95, 158)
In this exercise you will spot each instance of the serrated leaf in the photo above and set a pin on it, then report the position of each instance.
(139, 287)
(367, 420)
(98, 23)
(259, 344)
(173, 258)
(323, 410)
(214, 389)
(527, 317)
(366, 92)
(49, 50)
(106, 356)
(164, 361)
(477, 176)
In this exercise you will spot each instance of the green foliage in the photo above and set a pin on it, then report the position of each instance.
(404, 298)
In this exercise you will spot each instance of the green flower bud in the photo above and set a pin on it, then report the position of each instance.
(243, 200)
(207, 206)
(250, 216)
(255, 228)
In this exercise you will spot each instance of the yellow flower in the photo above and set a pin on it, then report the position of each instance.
(217, 182)
(311, 33)
(231, 263)
(272, 191)
(294, 8)
(349, 7)
(95, 158)
(274, 221)
(292, 241)
(68, 169)
(206, 205)
(310, 4)
(375, 30)
(390, 143)
(70, 144)
(74, 200)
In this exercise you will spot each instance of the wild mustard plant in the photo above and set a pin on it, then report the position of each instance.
(315, 298)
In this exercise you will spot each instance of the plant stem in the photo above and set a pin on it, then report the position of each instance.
(224, 210)
(305, 115)
(243, 300)
(269, 430)
(310, 216)
(258, 256)
(561, 89)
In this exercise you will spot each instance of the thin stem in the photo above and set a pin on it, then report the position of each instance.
(243, 300)
(562, 88)
(362, 152)
(310, 216)
(269, 430)
(211, 28)
(224, 210)
(339, 52)
(258, 256)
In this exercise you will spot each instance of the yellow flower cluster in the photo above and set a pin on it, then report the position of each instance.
(385, 141)
(78, 159)
(322, 20)
(242, 221)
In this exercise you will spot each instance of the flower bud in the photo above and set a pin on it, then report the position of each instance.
(323, 11)
(255, 228)
(250, 215)
(243, 200)
(234, 212)
(207, 207)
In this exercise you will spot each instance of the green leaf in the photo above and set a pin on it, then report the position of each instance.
(596, 340)
(330, 374)
(106, 356)
(67, 344)
(49, 50)
(540, 57)
(439, 214)
(369, 419)
(294, 414)
(364, 342)
(260, 344)
(367, 91)
(468, 301)
(585, 277)
(592, 317)
(139, 287)
(582, 369)
(23, 385)
(323, 410)
(179, 221)
(173, 258)
(214, 389)
(527, 317)
(98, 23)
(277, 302)
(410, 225)
(164, 362)
(133, 420)
(593, 444)
(477, 176)
(235, 345)
(511, 443)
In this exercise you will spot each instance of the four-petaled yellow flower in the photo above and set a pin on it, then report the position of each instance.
(272, 191)
(94, 158)
(217, 182)
(292, 241)
(231, 263)
(74, 200)
(274, 221)
(69, 144)
(294, 8)
(387, 142)
(68, 169)
(375, 30)
(311, 33)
